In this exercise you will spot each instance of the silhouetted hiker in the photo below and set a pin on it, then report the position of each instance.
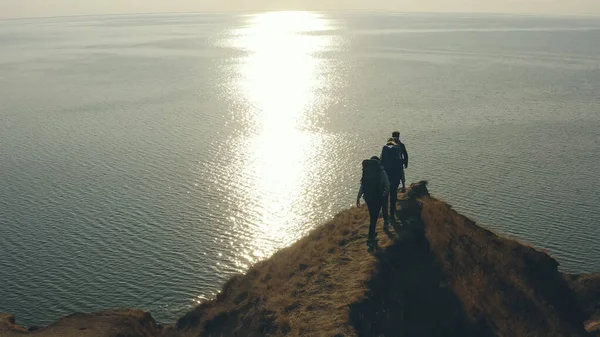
(374, 188)
(391, 159)
(403, 156)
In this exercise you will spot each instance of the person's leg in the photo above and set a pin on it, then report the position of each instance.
(403, 180)
(372, 220)
(374, 209)
(386, 215)
(393, 199)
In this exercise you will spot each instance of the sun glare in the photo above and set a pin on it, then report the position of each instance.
(278, 78)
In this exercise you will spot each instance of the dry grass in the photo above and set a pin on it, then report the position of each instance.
(8, 325)
(438, 275)
(502, 283)
(110, 323)
(302, 290)
(587, 290)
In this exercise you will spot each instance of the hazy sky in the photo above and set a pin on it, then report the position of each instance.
(29, 8)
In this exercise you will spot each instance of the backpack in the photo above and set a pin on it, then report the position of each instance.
(371, 179)
(391, 160)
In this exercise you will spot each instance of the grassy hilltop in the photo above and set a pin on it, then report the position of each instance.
(437, 274)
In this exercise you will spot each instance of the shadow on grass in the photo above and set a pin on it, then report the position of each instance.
(407, 295)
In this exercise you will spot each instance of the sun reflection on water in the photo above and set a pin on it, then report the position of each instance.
(279, 78)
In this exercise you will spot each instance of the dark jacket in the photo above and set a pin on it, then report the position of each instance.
(394, 166)
(403, 153)
(385, 185)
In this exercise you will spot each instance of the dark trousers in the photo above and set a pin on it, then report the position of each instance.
(384, 207)
(393, 199)
(374, 210)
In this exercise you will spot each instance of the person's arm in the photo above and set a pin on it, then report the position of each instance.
(405, 155)
(386, 183)
(360, 194)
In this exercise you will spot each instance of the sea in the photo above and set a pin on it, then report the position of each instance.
(145, 159)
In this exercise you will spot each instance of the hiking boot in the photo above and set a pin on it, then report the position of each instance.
(403, 189)
(372, 241)
(372, 246)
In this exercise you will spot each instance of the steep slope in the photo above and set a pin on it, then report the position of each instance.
(437, 274)
(587, 290)
(305, 289)
(510, 287)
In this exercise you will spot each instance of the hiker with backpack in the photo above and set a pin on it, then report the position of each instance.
(403, 157)
(391, 160)
(374, 188)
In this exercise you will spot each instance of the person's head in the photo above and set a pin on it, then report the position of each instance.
(396, 134)
(391, 141)
(375, 158)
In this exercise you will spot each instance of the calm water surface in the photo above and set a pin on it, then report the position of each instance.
(146, 159)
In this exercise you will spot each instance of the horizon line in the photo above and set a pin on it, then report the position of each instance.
(246, 11)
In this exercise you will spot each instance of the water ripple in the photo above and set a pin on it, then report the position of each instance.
(164, 171)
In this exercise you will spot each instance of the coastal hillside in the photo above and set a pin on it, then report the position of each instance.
(110, 323)
(435, 274)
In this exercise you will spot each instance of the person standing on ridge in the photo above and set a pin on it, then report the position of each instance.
(391, 160)
(374, 188)
(403, 156)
